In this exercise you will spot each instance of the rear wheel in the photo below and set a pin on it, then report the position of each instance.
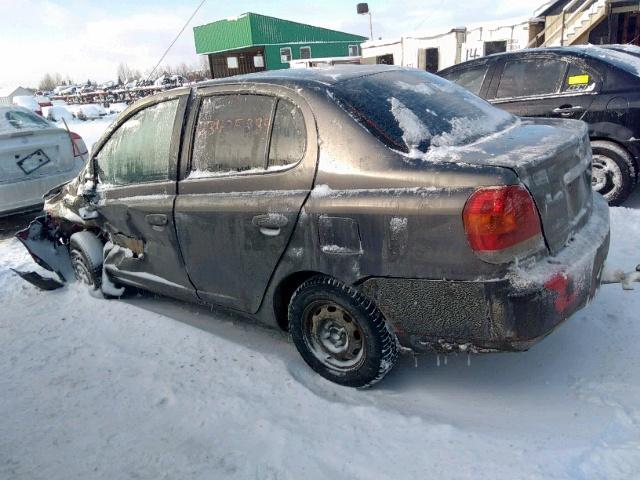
(613, 171)
(85, 253)
(340, 333)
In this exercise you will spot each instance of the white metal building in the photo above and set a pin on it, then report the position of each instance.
(440, 49)
(7, 94)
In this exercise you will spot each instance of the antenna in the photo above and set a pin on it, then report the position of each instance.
(176, 39)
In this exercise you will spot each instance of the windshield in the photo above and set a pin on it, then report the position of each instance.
(413, 111)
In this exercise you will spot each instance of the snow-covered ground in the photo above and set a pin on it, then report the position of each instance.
(153, 388)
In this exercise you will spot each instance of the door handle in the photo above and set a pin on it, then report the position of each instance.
(568, 109)
(270, 223)
(157, 220)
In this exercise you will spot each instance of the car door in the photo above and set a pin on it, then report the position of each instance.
(247, 174)
(135, 170)
(542, 86)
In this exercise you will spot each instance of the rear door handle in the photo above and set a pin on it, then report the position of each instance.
(157, 220)
(568, 109)
(270, 223)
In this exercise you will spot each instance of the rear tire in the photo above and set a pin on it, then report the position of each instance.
(85, 253)
(340, 333)
(613, 171)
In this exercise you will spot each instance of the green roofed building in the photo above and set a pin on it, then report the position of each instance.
(252, 43)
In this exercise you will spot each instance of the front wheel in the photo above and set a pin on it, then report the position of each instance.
(340, 333)
(613, 174)
(85, 253)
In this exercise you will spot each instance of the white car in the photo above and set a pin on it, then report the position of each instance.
(35, 156)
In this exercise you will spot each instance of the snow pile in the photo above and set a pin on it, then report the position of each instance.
(117, 107)
(57, 112)
(90, 111)
(27, 102)
(149, 387)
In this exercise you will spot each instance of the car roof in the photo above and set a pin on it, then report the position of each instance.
(304, 76)
(610, 54)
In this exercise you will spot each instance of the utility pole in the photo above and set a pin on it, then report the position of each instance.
(363, 9)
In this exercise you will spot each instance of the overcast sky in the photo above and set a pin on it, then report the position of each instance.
(88, 39)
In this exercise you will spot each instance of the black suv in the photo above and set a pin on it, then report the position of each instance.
(600, 85)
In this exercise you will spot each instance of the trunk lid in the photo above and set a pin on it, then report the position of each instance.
(552, 158)
(32, 154)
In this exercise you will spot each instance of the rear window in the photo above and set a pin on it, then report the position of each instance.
(413, 111)
(18, 119)
(627, 61)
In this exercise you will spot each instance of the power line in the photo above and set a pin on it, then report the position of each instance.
(428, 16)
(176, 39)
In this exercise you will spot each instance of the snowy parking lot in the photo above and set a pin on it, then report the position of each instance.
(148, 387)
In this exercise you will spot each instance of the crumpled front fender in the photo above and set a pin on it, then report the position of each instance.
(47, 247)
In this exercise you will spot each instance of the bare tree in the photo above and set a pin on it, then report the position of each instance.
(47, 83)
(126, 74)
(50, 81)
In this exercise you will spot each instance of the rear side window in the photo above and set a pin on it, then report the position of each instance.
(289, 137)
(232, 134)
(469, 78)
(533, 76)
(579, 80)
(139, 150)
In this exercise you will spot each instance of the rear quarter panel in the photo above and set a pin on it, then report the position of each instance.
(374, 212)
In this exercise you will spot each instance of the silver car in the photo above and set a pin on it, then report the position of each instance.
(35, 156)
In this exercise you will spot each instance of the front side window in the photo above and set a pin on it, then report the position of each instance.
(139, 150)
(231, 134)
(354, 50)
(232, 62)
(532, 76)
(305, 52)
(285, 55)
(469, 78)
(289, 137)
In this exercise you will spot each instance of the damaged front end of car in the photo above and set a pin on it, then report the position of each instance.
(67, 209)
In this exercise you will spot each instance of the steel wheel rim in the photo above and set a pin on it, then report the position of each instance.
(80, 269)
(332, 335)
(603, 175)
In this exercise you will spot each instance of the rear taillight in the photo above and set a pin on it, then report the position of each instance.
(78, 151)
(502, 223)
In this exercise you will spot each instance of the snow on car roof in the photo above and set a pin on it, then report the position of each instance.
(325, 75)
(624, 60)
(611, 54)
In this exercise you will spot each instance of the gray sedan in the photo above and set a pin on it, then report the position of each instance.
(366, 210)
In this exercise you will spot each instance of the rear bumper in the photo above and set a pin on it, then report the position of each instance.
(506, 314)
(27, 193)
